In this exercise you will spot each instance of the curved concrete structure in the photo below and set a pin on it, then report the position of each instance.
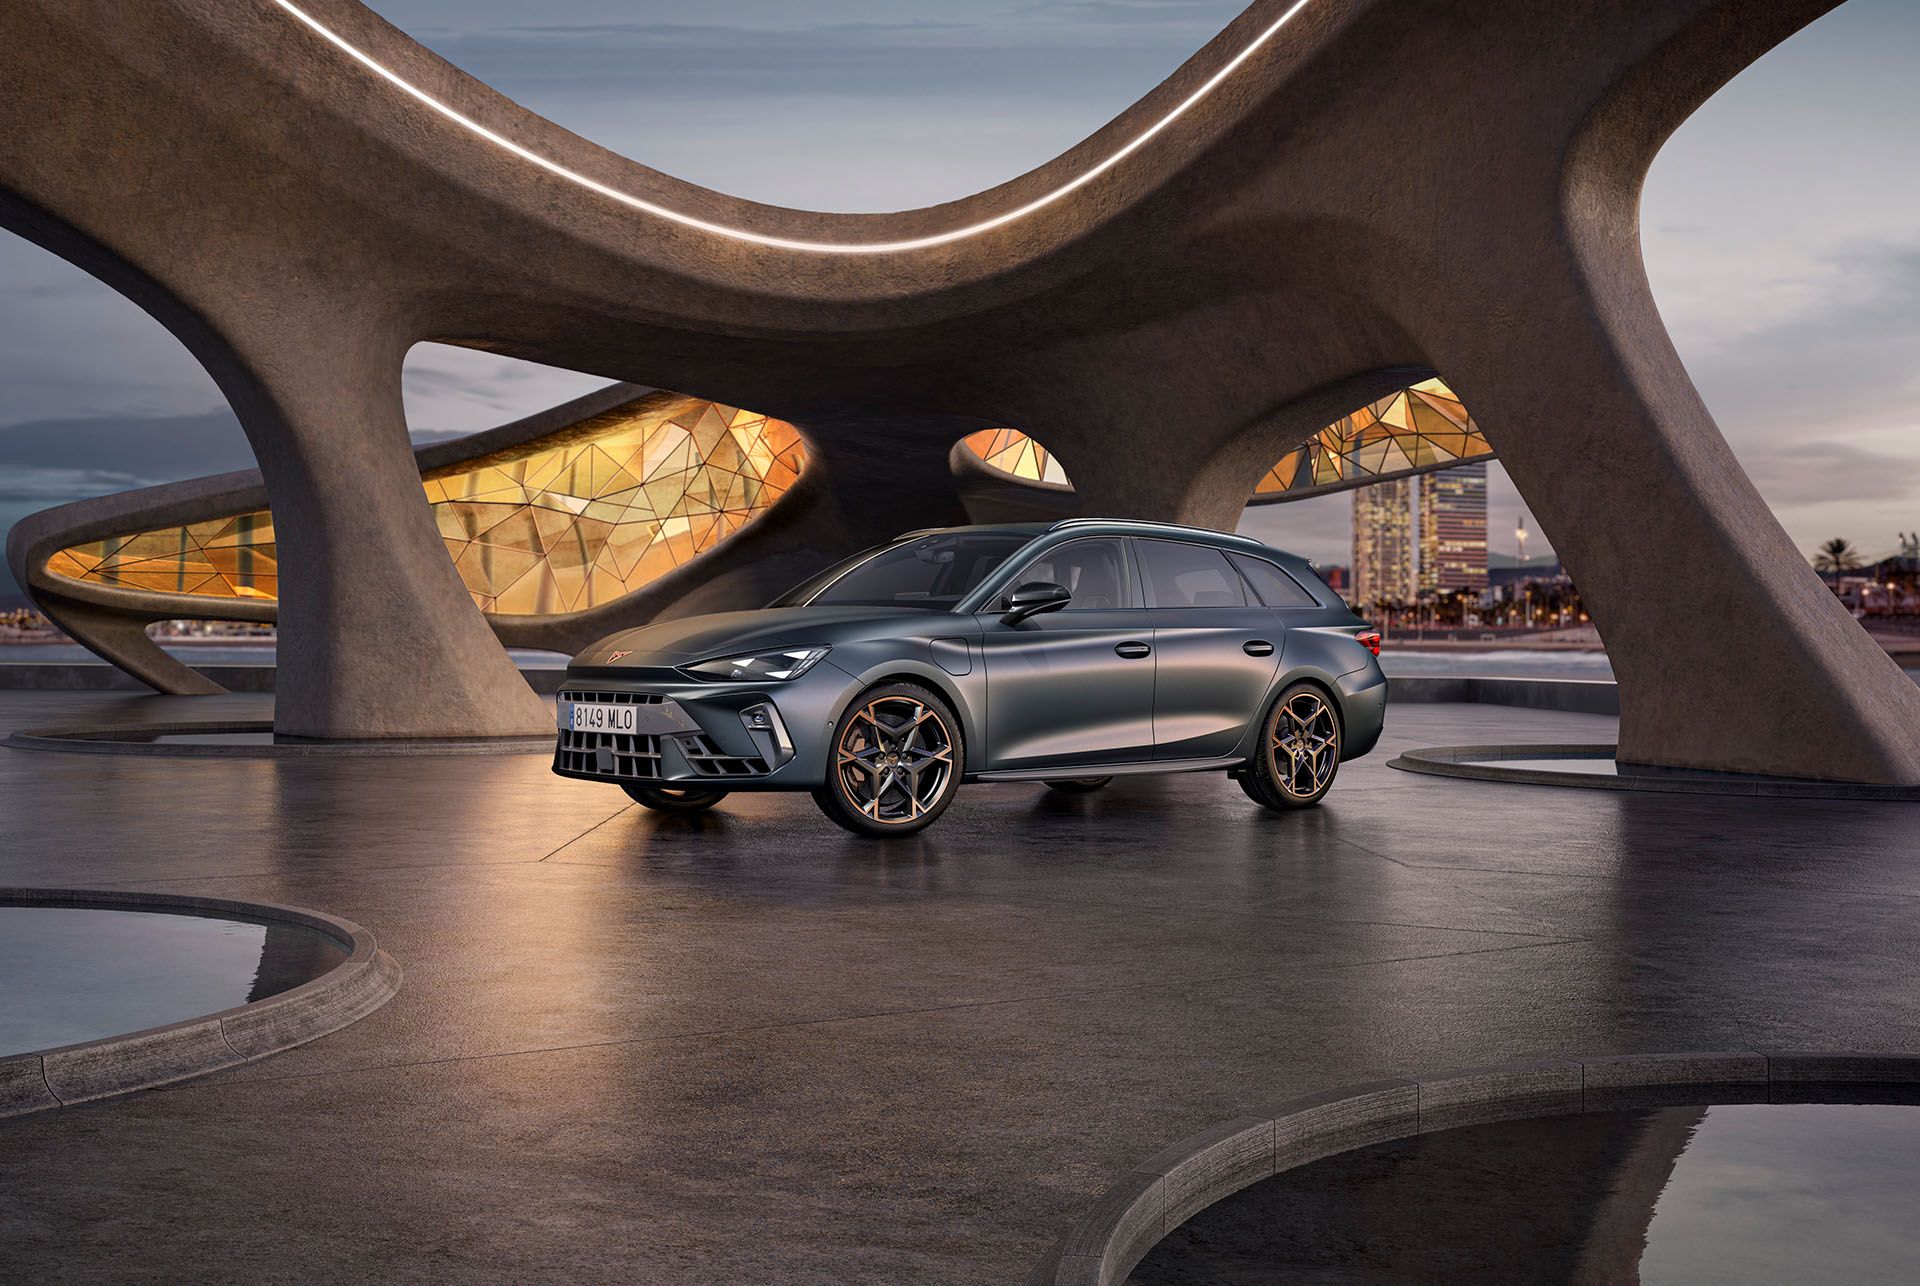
(1550, 764)
(362, 982)
(1172, 1186)
(1228, 275)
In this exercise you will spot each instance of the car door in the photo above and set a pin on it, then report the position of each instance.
(1216, 648)
(1072, 686)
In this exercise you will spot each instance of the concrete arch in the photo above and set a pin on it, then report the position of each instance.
(1226, 274)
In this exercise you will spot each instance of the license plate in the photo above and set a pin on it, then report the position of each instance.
(584, 716)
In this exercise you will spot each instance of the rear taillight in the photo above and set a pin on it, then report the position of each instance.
(1370, 640)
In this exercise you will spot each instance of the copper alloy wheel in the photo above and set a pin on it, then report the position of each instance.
(894, 760)
(1303, 745)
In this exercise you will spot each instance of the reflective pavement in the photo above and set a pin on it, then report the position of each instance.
(750, 1047)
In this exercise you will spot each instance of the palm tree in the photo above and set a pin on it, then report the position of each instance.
(1836, 556)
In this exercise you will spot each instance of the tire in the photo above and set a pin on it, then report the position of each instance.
(888, 730)
(1078, 785)
(662, 800)
(1298, 754)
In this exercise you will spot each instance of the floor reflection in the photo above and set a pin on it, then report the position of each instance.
(1689, 1196)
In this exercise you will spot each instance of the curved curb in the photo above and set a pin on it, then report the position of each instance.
(99, 741)
(1574, 696)
(1481, 763)
(348, 992)
(1167, 1189)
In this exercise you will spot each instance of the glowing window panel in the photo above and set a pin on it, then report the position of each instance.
(623, 498)
(1414, 429)
(1417, 428)
(1013, 452)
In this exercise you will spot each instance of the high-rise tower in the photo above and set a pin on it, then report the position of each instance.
(1453, 529)
(1383, 569)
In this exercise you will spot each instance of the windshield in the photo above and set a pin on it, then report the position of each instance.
(934, 572)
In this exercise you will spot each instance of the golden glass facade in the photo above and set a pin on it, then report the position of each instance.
(1422, 427)
(224, 557)
(1013, 452)
(572, 521)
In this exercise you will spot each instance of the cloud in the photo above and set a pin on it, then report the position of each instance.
(1818, 472)
(453, 390)
(1820, 399)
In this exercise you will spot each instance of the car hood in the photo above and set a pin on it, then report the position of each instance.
(698, 638)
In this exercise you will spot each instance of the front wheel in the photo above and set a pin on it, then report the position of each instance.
(1299, 751)
(1077, 785)
(897, 759)
(673, 801)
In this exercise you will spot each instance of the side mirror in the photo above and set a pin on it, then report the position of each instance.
(1033, 598)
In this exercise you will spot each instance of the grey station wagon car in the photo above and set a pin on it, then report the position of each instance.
(1067, 653)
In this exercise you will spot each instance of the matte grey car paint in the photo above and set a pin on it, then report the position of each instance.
(1141, 687)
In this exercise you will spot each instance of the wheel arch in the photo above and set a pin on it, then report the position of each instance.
(925, 676)
(1315, 677)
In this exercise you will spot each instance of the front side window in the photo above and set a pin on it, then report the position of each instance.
(1183, 575)
(1094, 571)
(934, 571)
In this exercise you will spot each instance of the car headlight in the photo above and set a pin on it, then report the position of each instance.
(774, 667)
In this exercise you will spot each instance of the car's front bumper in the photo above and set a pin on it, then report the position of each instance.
(734, 736)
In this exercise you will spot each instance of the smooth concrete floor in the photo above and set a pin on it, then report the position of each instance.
(751, 1048)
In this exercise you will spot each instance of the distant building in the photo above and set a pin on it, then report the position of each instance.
(1383, 544)
(1337, 577)
(1453, 529)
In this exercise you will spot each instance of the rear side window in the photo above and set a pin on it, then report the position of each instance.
(1271, 583)
(1182, 575)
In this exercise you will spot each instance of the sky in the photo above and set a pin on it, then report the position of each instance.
(1781, 224)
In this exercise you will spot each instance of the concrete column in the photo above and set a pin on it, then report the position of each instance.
(1731, 654)
(378, 636)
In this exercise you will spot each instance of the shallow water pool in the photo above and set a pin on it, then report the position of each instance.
(72, 974)
(1699, 1196)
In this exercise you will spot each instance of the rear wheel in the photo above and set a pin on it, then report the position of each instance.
(1078, 785)
(897, 757)
(662, 800)
(1299, 751)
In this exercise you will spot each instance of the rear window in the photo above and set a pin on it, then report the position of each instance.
(1182, 575)
(1274, 586)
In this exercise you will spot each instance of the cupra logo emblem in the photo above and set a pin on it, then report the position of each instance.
(615, 656)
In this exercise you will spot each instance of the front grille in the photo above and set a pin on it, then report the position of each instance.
(707, 760)
(637, 756)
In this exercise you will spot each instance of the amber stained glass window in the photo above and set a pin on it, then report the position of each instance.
(583, 517)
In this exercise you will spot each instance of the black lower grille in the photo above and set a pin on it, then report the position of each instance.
(628, 756)
(707, 761)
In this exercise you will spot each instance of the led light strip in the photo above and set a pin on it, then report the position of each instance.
(787, 243)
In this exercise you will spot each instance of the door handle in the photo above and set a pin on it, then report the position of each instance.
(1132, 651)
(1257, 647)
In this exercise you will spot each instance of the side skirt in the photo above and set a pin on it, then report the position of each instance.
(1110, 770)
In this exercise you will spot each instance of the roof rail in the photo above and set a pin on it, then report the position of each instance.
(1148, 522)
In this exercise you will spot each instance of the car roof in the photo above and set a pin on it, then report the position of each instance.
(1114, 526)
